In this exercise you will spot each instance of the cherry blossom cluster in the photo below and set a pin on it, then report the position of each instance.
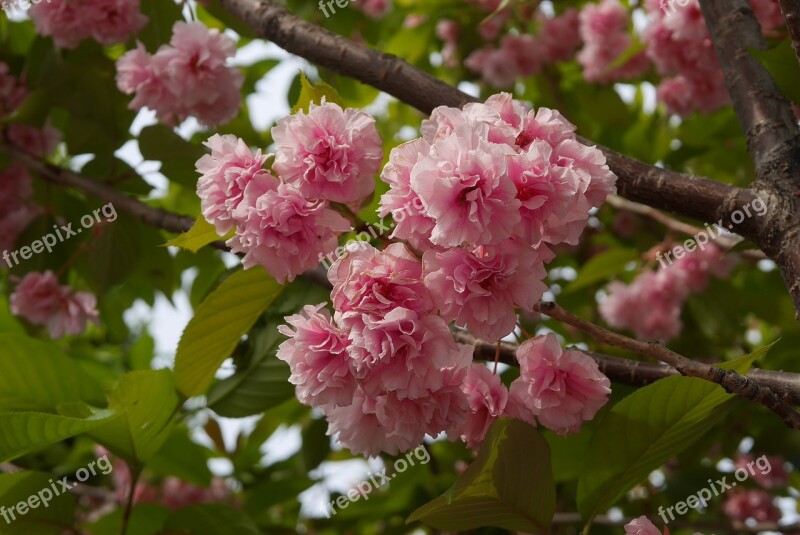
(643, 526)
(651, 305)
(523, 55)
(675, 41)
(187, 77)
(12, 91)
(106, 21)
(40, 299)
(375, 9)
(16, 208)
(328, 155)
(756, 504)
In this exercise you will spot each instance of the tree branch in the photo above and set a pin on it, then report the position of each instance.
(791, 14)
(731, 381)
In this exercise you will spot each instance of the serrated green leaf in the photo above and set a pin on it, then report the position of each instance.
(219, 324)
(315, 93)
(38, 376)
(646, 429)
(201, 234)
(509, 485)
(602, 266)
(25, 432)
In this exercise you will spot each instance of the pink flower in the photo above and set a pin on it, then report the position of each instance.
(650, 306)
(40, 142)
(316, 352)
(604, 30)
(12, 91)
(463, 183)
(106, 21)
(178, 494)
(769, 471)
(562, 388)
(559, 37)
(225, 174)
(375, 282)
(42, 301)
(404, 353)
(186, 78)
(279, 229)
(487, 397)
(641, 526)
(696, 266)
(755, 504)
(401, 201)
(480, 289)
(495, 66)
(329, 153)
(376, 9)
(768, 13)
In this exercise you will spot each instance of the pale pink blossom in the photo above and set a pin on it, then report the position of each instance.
(41, 300)
(225, 173)
(376, 9)
(404, 353)
(769, 471)
(368, 281)
(752, 504)
(12, 224)
(187, 77)
(641, 526)
(768, 13)
(563, 388)
(12, 91)
(496, 68)
(604, 30)
(401, 201)
(481, 288)
(464, 184)
(279, 229)
(177, 494)
(559, 37)
(696, 266)
(40, 142)
(316, 352)
(16, 209)
(487, 397)
(106, 21)
(329, 153)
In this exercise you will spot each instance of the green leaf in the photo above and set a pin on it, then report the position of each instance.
(646, 429)
(315, 93)
(182, 458)
(263, 384)
(37, 376)
(162, 15)
(601, 267)
(781, 62)
(177, 156)
(219, 324)
(52, 515)
(201, 234)
(25, 432)
(146, 401)
(509, 485)
(113, 255)
(316, 443)
(210, 519)
(145, 519)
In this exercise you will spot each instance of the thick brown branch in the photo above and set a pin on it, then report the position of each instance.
(682, 194)
(731, 381)
(791, 14)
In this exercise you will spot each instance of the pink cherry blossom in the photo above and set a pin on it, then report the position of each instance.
(225, 173)
(559, 37)
(279, 229)
(177, 494)
(604, 30)
(641, 526)
(768, 13)
(106, 21)
(696, 266)
(12, 91)
(376, 9)
(316, 352)
(487, 397)
(401, 201)
(481, 288)
(563, 388)
(464, 184)
(40, 142)
(375, 282)
(769, 471)
(496, 68)
(187, 77)
(329, 153)
(756, 504)
(41, 300)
